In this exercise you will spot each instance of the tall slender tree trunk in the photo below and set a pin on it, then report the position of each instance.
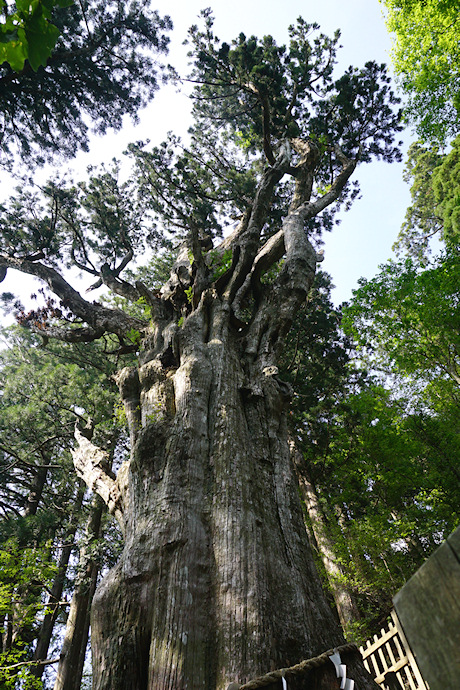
(70, 669)
(54, 601)
(36, 491)
(33, 499)
(347, 608)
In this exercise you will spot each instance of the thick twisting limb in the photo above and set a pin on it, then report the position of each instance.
(311, 209)
(120, 287)
(274, 248)
(230, 241)
(124, 262)
(266, 120)
(67, 335)
(292, 285)
(247, 243)
(111, 278)
(92, 465)
(285, 295)
(304, 171)
(199, 265)
(101, 319)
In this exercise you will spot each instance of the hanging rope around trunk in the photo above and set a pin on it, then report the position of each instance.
(296, 670)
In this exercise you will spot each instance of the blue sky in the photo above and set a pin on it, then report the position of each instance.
(364, 238)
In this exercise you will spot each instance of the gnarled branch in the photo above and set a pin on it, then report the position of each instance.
(93, 466)
(247, 242)
(100, 319)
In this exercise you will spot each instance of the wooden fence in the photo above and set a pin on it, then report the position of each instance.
(389, 659)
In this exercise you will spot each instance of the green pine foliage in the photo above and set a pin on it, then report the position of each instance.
(100, 66)
(43, 393)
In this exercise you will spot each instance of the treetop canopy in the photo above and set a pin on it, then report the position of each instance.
(275, 134)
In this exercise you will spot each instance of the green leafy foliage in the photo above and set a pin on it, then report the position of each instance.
(21, 567)
(426, 55)
(202, 184)
(28, 34)
(43, 392)
(409, 320)
(446, 187)
(406, 321)
(435, 192)
(221, 266)
(423, 219)
(384, 466)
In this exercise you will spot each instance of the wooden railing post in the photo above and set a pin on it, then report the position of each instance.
(428, 608)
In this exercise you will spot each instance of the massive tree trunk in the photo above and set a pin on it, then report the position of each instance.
(216, 583)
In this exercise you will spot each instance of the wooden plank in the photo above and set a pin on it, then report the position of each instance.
(397, 667)
(454, 542)
(391, 656)
(382, 660)
(428, 607)
(399, 676)
(376, 671)
(409, 678)
(410, 657)
(395, 659)
(401, 653)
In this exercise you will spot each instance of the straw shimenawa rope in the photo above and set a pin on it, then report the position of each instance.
(296, 670)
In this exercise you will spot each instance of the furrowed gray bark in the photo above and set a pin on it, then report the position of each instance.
(36, 491)
(216, 583)
(99, 318)
(93, 466)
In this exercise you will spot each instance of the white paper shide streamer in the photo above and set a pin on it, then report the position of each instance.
(341, 671)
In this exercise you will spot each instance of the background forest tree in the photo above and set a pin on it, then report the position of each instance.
(427, 61)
